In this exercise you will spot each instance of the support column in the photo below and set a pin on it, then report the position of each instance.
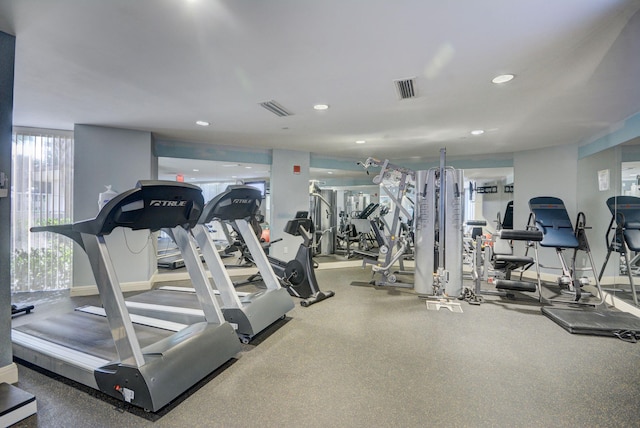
(8, 370)
(289, 193)
(117, 157)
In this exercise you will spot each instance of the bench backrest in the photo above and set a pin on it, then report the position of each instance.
(626, 212)
(553, 221)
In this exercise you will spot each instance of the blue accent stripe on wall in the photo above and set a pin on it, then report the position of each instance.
(497, 161)
(344, 164)
(631, 153)
(628, 130)
(189, 150)
(186, 150)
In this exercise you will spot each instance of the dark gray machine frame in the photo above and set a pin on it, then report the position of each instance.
(152, 376)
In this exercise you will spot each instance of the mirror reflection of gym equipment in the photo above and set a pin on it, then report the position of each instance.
(394, 240)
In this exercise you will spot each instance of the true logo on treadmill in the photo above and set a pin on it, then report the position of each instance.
(242, 201)
(161, 203)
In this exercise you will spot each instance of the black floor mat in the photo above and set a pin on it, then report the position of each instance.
(596, 322)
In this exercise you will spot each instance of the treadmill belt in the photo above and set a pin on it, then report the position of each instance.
(87, 333)
(595, 322)
(177, 299)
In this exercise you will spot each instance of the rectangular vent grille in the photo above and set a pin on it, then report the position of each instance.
(276, 108)
(406, 88)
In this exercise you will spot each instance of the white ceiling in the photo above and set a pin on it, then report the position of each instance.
(160, 65)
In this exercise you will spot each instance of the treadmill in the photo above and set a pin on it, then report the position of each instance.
(143, 365)
(249, 313)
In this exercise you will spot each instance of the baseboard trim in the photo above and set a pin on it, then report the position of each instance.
(92, 290)
(553, 277)
(9, 374)
(609, 298)
(184, 276)
(620, 304)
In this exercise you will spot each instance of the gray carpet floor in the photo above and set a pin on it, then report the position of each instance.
(376, 357)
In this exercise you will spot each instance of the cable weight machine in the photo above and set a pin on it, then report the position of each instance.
(439, 234)
(394, 245)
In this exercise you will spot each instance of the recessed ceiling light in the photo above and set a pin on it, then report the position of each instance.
(321, 106)
(195, 170)
(248, 167)
(230, 165)
(202, 123)
(329, 172)
(477, 132)
(503, 78)
(360, 141)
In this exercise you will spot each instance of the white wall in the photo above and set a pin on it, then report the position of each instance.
(592, 202)
(289, 194)
(116, 157)
(545, 172)
(488, 205)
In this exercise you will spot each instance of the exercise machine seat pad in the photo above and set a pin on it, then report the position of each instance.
(235, 203)
(523, 260)
(520, 235)
(507, 222)
(626, 211)
(553, 221)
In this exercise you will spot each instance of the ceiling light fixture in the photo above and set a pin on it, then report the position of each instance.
(329, 172)
(321, 106)
(195, 170)
(202, 123)
(360, 141)
(477, 132)
(503, 78)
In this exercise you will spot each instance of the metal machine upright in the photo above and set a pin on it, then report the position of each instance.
(438, 240)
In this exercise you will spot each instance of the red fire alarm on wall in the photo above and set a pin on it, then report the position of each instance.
(296, 169)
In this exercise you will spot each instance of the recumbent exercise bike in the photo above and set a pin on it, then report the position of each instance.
(298, 275)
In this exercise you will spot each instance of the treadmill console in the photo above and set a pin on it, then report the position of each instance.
(152, 204)
(237, 202)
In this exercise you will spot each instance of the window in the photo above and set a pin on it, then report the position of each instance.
(41, 193)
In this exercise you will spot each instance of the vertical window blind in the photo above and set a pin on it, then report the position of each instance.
(41, 192)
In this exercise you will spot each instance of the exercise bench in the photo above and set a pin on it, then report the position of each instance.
(625, 221)
(549, 215)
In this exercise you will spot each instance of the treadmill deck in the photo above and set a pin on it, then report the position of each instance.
(87, 333)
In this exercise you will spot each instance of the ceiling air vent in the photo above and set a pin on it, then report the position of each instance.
(406, 88)
(276, 108)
